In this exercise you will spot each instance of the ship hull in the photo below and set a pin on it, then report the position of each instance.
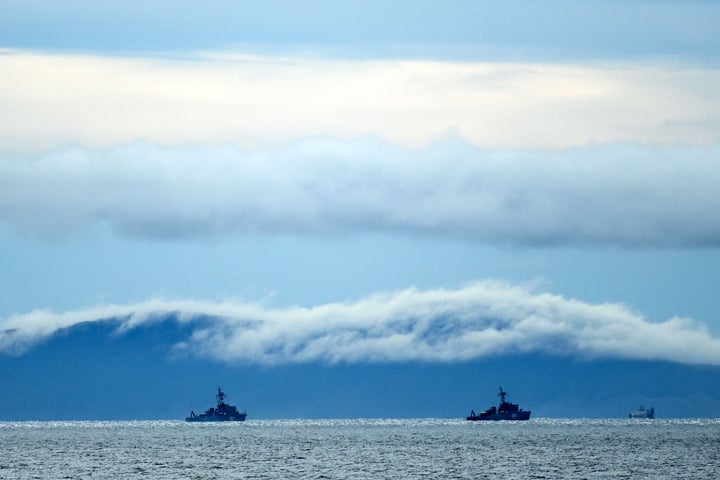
(646, 415)
(217, 418)
(500, 416)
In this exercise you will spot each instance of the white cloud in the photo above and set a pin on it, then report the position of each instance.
(225, 148)
(482, 319)
(52, 100)
(614, 194)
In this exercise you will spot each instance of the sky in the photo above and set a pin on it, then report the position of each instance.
(347, 185)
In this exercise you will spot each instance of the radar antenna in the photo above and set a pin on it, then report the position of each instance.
(502, 395)
(220, 395)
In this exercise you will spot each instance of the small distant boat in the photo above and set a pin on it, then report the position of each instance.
(222, 413)
(642, 413)
(505, 411)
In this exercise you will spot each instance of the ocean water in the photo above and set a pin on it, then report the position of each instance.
(362, 449)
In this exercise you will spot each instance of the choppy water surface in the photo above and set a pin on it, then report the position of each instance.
(338, 449)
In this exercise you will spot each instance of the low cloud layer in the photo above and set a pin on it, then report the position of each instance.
(53, 100)
(480, 320)
(626, 195)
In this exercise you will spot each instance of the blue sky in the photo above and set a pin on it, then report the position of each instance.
(364, 184)
(526, 29)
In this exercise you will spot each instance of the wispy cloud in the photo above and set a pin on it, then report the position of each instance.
(628, 195)
(480, 320)
(52, 100)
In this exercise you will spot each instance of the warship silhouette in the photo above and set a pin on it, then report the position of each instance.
(642, 413)
(504, 411)
(222, 413)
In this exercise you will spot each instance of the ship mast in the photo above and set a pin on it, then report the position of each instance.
(502, 395)
(220, 397)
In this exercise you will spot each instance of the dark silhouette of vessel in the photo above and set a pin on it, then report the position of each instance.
(222, 413)
(504, 411)
(642, 413)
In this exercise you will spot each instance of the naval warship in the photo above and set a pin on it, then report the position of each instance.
(222, 413)
(504, 411)
(642, 413)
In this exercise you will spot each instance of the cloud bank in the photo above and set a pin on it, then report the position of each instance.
(627, 195)
(480, 320)
(219, 143)
(52, 100)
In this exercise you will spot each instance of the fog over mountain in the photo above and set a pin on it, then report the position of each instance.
(480, 320)
(90, 371)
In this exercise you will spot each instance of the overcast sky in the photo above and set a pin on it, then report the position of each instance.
(324, 182)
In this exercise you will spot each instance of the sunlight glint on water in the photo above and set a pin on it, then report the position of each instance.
(351, 449)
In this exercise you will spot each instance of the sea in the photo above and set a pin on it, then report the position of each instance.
(362, 449)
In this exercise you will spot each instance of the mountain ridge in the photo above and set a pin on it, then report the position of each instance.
(92, 372)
